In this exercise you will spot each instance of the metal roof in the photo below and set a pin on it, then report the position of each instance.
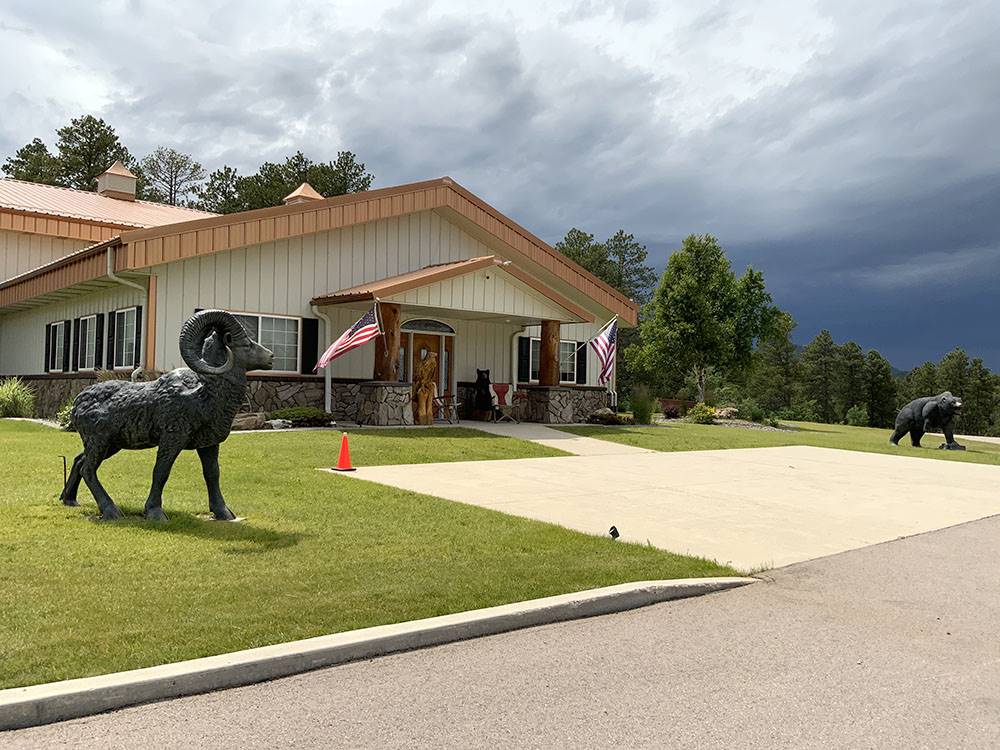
(51, 200)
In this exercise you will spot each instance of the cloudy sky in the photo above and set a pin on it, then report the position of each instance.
(850, 150)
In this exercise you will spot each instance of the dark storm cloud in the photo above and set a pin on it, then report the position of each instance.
(865, 183)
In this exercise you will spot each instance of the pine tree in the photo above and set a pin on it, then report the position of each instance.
(850, 387)
(33, 163)
(87, 147)
(879, 390)
(774, 368)
(818, 369)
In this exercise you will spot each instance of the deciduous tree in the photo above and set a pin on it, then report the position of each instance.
(701, 316)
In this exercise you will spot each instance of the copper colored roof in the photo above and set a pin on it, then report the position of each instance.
(50, 200)
(304, 192)
(404, 282)
(119, 169)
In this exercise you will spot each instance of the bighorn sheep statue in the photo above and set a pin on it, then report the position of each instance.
(185, 409)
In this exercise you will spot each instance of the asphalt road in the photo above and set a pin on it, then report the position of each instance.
(894, 645)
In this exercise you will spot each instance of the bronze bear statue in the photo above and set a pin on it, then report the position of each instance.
(926, 414)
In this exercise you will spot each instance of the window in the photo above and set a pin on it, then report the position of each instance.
(279, 334)
(58, 343)
(567, 360)
(125, 338)
(88, 342)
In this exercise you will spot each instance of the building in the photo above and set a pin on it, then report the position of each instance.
(100, 280)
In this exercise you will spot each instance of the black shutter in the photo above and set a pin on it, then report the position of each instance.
(523, 359)
(309, 344)
(67, 343)
(581, 362)
(99, 341)
(138, 336)
(76, 345)
(48, 345)
(112, 317)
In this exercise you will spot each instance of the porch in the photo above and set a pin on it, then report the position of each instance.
(482, 319)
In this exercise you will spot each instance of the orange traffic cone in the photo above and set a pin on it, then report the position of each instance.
(344, 462)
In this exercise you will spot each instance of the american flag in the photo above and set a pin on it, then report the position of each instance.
(357, 335)
(605, 344)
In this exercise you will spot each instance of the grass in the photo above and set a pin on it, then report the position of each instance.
(679, 436)
(316, 554)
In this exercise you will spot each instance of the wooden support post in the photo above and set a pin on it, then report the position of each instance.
(387, 345)
(548, 358)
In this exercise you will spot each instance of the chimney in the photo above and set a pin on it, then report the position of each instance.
(302, 194)
(117, 182)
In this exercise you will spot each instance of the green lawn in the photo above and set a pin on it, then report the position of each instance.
(317, 553)
(680, 436)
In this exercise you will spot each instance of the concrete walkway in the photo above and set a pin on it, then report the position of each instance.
(565, 441)
(892, 646)
(751, 508)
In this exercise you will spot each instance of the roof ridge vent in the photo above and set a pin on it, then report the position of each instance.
(117, 182)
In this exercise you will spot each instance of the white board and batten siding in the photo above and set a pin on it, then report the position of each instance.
(20, 252)
(281, 278)
(22, 334)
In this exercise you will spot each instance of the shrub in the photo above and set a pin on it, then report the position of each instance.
(65, 414)
(642, 405)
(671, 412)
(857, 416)
(701, 413)
(801, 411)
(16, 398)
(303, 416)
(750, 409)
(727, 412)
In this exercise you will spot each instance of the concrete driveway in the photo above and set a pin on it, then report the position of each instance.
(751, 508)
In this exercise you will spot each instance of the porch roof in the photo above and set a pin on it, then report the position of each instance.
(404, 282)
(393, 286)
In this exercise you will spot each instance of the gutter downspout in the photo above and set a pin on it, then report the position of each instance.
(327, 375)
(134, 285)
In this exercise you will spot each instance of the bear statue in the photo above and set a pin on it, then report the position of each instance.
(926, 414)
(482, 399)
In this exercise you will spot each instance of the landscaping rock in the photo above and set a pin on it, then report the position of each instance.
(253, 421)
(604, 416)
(277, 424)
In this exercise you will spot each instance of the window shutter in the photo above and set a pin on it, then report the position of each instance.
(523, 359)
(75, 360)
(581, 362)
(99, 341)
(309, 346)
(48, 345)
(138, 336)
(111, 340)
(67, 343)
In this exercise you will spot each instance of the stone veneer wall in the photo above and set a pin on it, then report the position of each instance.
(52, 391)
(546, 404)
(385, 403)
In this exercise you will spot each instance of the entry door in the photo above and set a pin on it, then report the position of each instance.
(423, 343)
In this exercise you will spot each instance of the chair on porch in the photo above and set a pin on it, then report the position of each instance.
(447, 407)
(503, 402)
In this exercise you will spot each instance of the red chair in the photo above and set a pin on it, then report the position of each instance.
(503, 403)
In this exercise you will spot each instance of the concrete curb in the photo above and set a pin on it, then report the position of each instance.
(70, 699)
